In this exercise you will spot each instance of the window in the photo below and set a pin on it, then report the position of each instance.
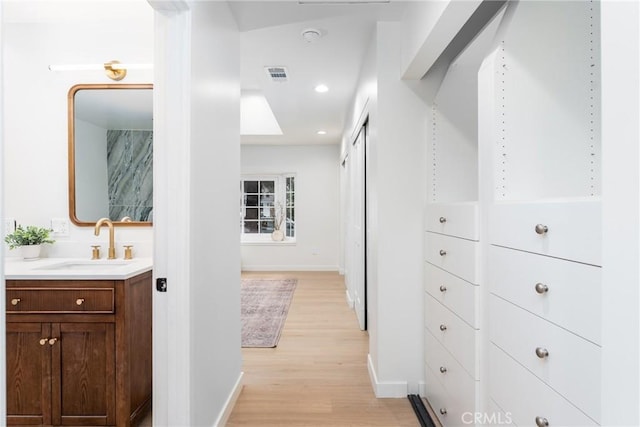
(267, 202)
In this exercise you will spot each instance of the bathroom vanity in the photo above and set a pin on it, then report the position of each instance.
(78, 342)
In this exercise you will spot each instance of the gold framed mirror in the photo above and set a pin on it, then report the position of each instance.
(111, 154)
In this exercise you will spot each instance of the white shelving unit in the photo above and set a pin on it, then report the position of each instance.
(513, 241)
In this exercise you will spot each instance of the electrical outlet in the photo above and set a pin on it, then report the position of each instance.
(9, 226)
(60, 226)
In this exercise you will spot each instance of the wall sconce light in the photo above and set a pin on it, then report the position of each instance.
(113, 69)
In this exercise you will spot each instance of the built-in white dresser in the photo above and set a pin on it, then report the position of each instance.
(540, 109)
(545, 312)
(451, 311)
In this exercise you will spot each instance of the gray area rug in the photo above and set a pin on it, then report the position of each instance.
(264, 307)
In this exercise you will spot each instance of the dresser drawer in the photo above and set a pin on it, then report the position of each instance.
(574, 229)
(455, 379)
(573, 296)
(457, 256)
(453, 219)
(456, 294)
(453, 333)
(572, 366)
(524, 397)
(449, 409)
(60, 300)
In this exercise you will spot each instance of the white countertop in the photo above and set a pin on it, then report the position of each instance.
(75, 268)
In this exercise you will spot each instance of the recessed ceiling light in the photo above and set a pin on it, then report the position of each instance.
(322, 132)
(322, 88)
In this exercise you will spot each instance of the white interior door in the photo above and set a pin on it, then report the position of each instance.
(358, 247)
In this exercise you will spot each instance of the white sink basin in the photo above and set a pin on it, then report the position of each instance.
(87, 265)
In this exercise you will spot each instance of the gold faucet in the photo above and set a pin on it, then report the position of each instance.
(112, 247)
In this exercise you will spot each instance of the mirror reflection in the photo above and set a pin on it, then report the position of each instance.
(111, 154)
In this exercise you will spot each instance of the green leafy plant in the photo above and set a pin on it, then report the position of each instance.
(29, 235)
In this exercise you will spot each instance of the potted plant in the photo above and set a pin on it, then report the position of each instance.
(278, 218)
(29, 239)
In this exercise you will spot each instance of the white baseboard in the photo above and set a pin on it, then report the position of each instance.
(290, 268)
(387, 388)
(341, 271)
(230, 403)
(350, 301)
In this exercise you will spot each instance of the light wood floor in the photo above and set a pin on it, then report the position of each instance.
(317, 375)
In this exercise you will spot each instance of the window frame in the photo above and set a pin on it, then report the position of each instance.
(280, 196)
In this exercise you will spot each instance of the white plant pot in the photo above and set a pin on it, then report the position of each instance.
(277, 235)
(30, 252)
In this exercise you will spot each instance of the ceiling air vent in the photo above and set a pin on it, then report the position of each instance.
(277, 74)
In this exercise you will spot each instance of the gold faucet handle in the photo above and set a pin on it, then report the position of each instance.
(128, 252)
(95, 252)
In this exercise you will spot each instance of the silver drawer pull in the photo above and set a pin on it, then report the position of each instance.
(443, 327)
(542, 422)
(80, 301)
(43, 341)
(443, 370)
(541, 288)
(541, 229)
(542, 352)
(443, 252)
(443, 288)
(15, 301)
(443, 411)
(443, 220)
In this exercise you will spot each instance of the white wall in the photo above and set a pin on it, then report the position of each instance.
(316, 204)
(396, 188)
(214, 252)
(620, 211)
(37, 34)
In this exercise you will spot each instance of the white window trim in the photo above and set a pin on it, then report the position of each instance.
(263, 239)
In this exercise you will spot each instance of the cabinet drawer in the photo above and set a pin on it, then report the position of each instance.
(574, 229)
(524, 397)
(453, 333)
(574, 290)
(449, 371)
(456, 294)
(449, 410)
(572, 366)
(60, 300)
(453, 219)
(455, 255)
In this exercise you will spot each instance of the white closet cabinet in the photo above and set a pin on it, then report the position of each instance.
(452, 243)
(543, 243)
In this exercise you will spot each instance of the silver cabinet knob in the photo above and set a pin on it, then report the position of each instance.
(443, 252)
(541, 288)
(443, 411)
(542, 422)
(443, 288)
(443, 327)
(542, 352)
(443, 370)
(443, 220)
(541, 229)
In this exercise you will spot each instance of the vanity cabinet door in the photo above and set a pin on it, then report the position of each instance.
(83, 374)
(28, 373)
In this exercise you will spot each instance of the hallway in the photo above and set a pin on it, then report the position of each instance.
(317, 376)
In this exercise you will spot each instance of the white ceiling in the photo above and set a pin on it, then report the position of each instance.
(271, 36)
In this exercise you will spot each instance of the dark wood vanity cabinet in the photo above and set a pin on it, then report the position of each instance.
(78, 351)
